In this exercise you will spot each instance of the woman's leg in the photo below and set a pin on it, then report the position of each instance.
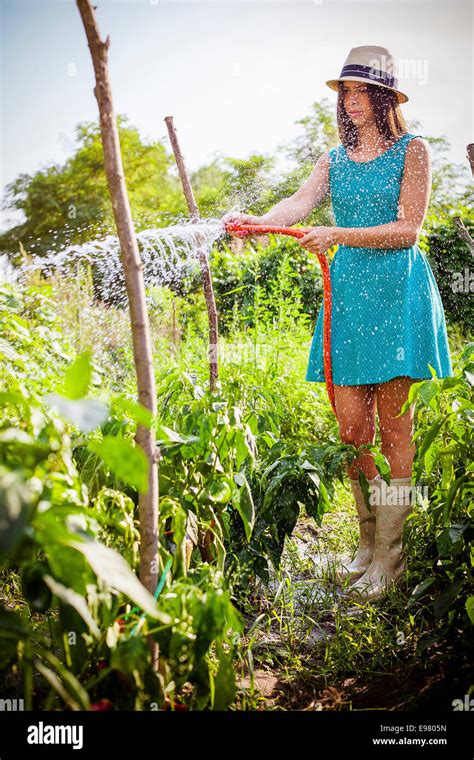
(355, 407)
(396, 432)
(388, 559)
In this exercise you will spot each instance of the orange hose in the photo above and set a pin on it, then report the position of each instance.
(261, 229)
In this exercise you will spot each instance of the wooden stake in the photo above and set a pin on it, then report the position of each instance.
(206, 272)
(133, 270)
(463, 232)
(470, 156)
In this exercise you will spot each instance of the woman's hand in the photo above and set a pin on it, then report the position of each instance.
(318, 239)
(233, 216)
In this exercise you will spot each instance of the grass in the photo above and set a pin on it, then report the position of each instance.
(312, 650)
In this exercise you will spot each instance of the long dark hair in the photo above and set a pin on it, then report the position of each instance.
(388, 116)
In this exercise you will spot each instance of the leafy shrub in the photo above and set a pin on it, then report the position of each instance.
(235, 278)
(63, 552)
(442, 530)
(451, 260)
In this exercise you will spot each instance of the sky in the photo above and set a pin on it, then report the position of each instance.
(235, 76)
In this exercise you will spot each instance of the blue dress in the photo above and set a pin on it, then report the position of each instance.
(387, 316)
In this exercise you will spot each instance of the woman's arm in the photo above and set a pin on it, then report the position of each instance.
(413, 203)
(297, 207)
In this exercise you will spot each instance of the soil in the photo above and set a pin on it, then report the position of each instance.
(410, 686)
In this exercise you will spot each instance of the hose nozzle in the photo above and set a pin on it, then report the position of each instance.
(237, 229)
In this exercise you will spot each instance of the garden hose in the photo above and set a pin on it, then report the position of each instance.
(262, 229)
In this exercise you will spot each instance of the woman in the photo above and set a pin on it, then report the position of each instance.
(387, 324)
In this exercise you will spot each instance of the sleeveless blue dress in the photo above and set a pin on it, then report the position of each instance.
(387, 316)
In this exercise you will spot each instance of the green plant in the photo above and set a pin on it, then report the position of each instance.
(287, 478)
(442, 531)
(62, 549)
(280, 275)
(201, 475)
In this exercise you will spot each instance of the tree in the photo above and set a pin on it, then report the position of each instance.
(70, 204)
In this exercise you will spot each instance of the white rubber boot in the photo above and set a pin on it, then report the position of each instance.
(388, 562)
(366, 520)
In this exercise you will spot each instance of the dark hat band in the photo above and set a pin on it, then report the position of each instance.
(370, 73)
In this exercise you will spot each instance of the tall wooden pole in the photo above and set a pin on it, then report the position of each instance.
(461, 228)
(133, 270)
(470, 156)
(206, 272)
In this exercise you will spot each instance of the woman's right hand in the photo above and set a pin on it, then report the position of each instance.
(234, 216)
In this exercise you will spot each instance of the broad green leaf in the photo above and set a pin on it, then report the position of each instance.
(224, 681)
(383, 466)
(218, 490)
(15, 399)
(443, 602)
(428, 391)
(126, 460)
(450, 382)
(274, 486)
(412, 395)
(187, 452)
(467, 352)
(426, 443)
(449, 537)
(323, 502)
(365, 488)
(242, 448)
(314, 477)
(243, 502)
(130, 656)
(167, 435)
(470, 608)
(78, 376)
(420, 590)
(111, 567)
(305, 465)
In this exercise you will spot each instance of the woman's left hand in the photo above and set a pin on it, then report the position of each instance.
(318, 240)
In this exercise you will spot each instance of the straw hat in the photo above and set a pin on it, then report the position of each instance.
(372, 64)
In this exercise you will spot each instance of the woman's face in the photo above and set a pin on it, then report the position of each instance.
(357, 102)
